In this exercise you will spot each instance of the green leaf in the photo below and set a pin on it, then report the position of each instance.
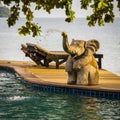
(101, 22)
(24, 31)
(68, 19)
(105, 4)
(100, 5)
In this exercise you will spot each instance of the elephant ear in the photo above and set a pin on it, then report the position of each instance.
(92, 45)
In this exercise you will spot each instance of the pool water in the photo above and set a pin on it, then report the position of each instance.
(18, 102)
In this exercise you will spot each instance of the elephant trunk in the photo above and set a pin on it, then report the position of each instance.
(66, 45)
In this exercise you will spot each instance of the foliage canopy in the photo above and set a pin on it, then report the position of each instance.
(102, 12)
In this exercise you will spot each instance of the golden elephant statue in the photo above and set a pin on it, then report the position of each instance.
(81, 65)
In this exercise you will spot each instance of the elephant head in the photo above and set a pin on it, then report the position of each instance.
(76, 48)
(79, 47)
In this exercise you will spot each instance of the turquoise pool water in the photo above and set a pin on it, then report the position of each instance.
(18, 102)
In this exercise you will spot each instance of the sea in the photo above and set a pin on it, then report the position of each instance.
(51, 39)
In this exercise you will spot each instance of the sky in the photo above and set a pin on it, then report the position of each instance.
(76, 8)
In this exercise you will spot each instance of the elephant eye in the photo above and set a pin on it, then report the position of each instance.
(75, 43)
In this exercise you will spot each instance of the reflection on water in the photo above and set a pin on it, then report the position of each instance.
(20, 102)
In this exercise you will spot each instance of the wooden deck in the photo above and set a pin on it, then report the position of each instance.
(51, 76)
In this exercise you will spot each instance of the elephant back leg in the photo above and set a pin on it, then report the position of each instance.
(93, 77)
(88, 75)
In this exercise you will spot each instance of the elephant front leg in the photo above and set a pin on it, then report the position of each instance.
(72, 77)
(82, 77)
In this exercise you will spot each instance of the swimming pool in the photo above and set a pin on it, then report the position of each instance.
(18, 101)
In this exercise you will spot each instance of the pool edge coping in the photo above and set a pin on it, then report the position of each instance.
(26, 76)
